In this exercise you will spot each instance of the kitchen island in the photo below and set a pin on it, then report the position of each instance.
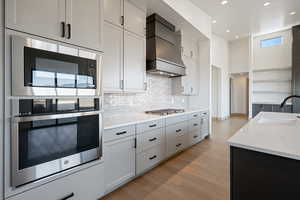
(265, 158)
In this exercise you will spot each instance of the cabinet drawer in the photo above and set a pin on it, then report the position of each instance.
(69, 186)
(148, 159)
(148, 126)
(175, 145)
(175, 120)
(195, 136)
(194, 124)
(149, 139)
(118, 133)
(177, 130)
(195, 115)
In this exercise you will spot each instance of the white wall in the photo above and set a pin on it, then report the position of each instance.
(1, 98)
(273, 57)
(220, 59)
(239, 55)
(193, 14)
(216, 89)
(239, 95)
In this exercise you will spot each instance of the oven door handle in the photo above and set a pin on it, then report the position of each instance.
(55, 116)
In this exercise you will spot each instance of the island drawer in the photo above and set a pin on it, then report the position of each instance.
(148, 126)
(149, 139)
(118, 133)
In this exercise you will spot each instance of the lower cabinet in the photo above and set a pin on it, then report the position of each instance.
(204, 124)
(149, 158)
(87, 184)
(119, 162)
(177, 137)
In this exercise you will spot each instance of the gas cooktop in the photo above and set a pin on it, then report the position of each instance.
(165, 111)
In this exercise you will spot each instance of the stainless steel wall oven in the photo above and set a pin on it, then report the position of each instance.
(41, 68)
(52, 135)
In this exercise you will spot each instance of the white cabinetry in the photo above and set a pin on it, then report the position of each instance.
(113, 58)
(134, 62)
(134, 18)
(130, 75)
(119, 157)
(87, 184)
(72, 21)
(86, 21)
(113, 12)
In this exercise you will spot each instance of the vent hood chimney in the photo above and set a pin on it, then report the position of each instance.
(163, 48)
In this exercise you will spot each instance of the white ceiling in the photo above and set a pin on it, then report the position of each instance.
(243, 17)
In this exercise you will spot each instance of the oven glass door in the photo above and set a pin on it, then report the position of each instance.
(47, 140)
(56, 70)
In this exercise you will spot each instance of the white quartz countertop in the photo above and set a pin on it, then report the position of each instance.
(130, 118)
(272, 133)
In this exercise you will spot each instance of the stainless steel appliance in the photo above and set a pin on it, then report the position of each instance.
(165, 111)
(41, 68)
(163, 48)
(52, 135)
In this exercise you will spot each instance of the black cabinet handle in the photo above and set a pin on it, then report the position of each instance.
(121, 133)
(195, 124)
(153, 125)
(195, 136)
(178, 145)
(195, 115)
(122, 20)
(153, 157)
(178, 130)
(68, 197)
(69, 31)
(63, 29)
(153, 139)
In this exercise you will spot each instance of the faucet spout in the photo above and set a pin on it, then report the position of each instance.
(287, 98)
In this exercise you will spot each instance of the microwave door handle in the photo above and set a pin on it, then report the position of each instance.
(55, 116)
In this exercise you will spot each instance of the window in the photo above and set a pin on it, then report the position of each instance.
(271, 42)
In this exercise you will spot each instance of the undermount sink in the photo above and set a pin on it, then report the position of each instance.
(277, 121)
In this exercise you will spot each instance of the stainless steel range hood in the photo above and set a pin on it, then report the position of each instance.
(163, 48)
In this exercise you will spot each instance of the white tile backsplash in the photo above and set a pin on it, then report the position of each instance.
(158, 95)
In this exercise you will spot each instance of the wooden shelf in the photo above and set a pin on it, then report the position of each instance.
(273, 69)
(271, 81)
(272, 92)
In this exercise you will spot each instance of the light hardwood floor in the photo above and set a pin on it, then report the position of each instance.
(199, 173)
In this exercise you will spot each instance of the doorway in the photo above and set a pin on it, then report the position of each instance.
(239, 94)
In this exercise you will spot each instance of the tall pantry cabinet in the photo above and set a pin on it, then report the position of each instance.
(124, 63)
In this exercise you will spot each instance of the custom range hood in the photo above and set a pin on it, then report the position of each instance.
(163, 48)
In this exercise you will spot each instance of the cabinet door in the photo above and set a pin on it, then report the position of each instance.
(113, 58)
(113, 11)
(119, 162)
(134, 19)
(86, 20)
(134, 62)
(42, 18)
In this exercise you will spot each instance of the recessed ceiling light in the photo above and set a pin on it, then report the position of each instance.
(292, 13)
(237, 37)
(224, 2)
(267, 4)
(227, 31)
(214, 21)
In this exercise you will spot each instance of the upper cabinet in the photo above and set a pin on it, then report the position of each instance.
(134, 62)
(72, 21)
(124, 68)
(43, 18)
(113, 12)
(84, 23)
(134, 18)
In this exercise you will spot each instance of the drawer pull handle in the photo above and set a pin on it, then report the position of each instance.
(195, 115)
(153, 125)
(205, 113)
(178, 145)
(153, 139)
(68, 197)
(195, 136)
(195, 124)
(177, 131)
(121, 133)
(153, 157)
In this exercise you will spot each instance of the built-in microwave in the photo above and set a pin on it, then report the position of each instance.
(42, 68)
(50, 136)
